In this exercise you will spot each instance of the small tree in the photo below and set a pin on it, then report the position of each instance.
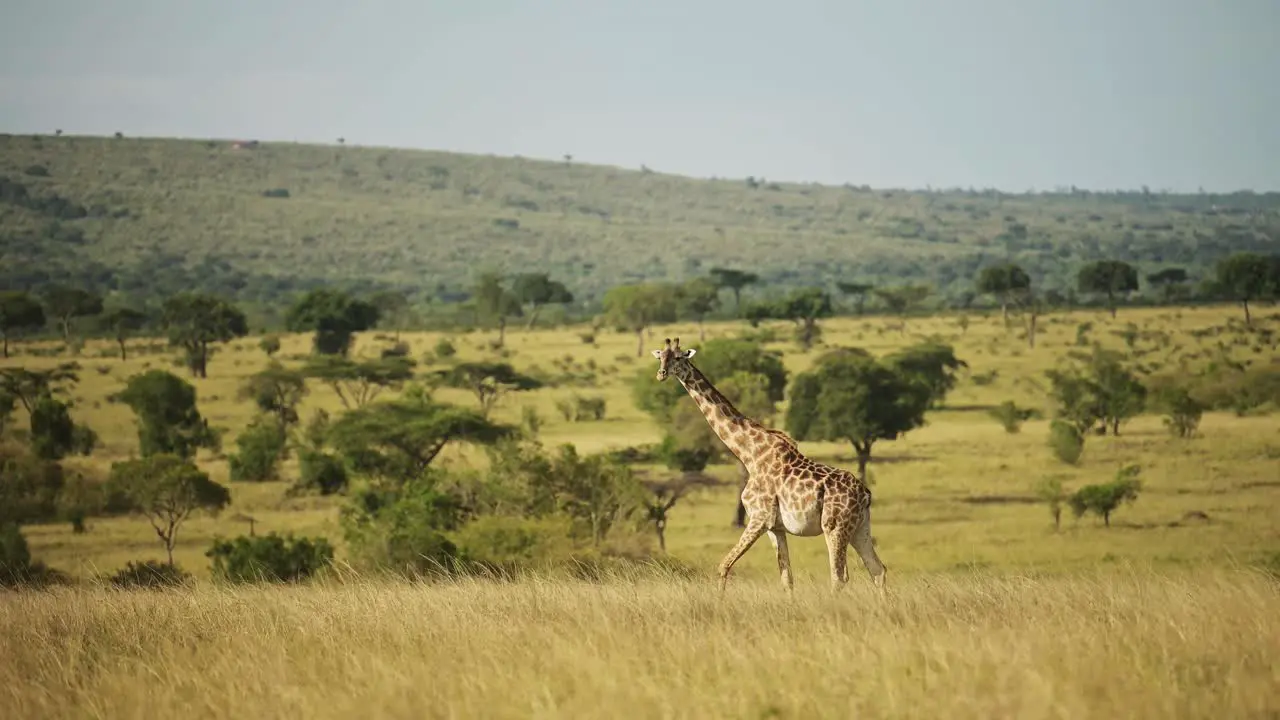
(168, 420)
(663, 494)
(697, 299)
(53, 433)
(489, 382)
(167, 489)
(1104, 499)
(123, 323)
(19, 313)
(393, 309)
(1170, 281)
(334, 317)
(1050, 492)
(357, 383)
(735, 280)
(1112, 278)
(1245, 277)
(1182, 411)
(903, 299)
(635, 308)
(804, 307)
(276, 390)
(850, 396)
(1010, 416)
(1007, 282)
(196, 321)
(269, 558)
(537, 290)
(859, 292)
(67, 303)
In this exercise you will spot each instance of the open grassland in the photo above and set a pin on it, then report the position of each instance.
(956, 493)
(150, 216)
(991, 613)
(1126, 642)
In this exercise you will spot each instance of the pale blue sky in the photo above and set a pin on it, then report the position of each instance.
(903, 93)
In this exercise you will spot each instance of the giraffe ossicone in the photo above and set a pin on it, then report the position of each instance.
(786, 492)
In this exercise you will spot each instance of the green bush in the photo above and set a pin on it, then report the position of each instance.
(270, 558)
(1066, 441)
(16, 565)
(261, 445)
(445, 349)
(506, 544)
(402, 529)
(149, 574)
(321, 472)
(1182, 411)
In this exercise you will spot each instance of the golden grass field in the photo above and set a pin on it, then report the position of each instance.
(991, 612)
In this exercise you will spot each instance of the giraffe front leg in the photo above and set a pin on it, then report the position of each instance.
(778, 537)
(755, 528)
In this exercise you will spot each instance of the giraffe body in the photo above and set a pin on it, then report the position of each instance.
(786, 492)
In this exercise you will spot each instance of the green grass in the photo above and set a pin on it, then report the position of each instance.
(170, 214)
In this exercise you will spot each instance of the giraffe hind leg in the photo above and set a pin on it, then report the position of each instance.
(866, 549)
(778, 537)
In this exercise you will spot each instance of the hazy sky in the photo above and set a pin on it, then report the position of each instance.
(1011, 94)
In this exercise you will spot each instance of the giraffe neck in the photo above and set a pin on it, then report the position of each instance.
(732, 427)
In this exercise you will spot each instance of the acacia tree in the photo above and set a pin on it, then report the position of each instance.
(67, 303)
(735, 280)
(397, 440)
(276, 390)
(664, 493)
(851, 396)
(1007, 282)
(334, 317)
(1246, 276)
(1170, 281)
(804, 307)
(358, 382)
(123, 323)
(489, 382)
(494, 302)
(1111, 278)
(537, 290)
(393, 309)
(19, 313)
(634, 308)
(858, 291)
(699, 298)
(195, 321)
(902, 299)
(167, 489)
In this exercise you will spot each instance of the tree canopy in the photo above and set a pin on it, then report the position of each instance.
(1111, 278)
(634, 308)
(849, 395)
(334, 317)
(194, 321)
(19, 313)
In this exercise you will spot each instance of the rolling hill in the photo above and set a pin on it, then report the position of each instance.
(260, 221)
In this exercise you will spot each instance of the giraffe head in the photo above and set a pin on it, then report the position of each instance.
(671, 356)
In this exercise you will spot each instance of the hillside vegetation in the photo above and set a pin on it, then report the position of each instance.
(149, 217)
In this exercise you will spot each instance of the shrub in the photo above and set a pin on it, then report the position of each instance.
(506, 544)
(149, 574)
(1182, 411)
(16, 566)
(270, 345)
(321, 472)
(261, 446)
(1010, 416)
(445, 349)
(402, 529)
(270, 558)
(590, 407)
(1066, 441)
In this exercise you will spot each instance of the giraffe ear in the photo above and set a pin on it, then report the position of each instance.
(657, 354)
(690, 353)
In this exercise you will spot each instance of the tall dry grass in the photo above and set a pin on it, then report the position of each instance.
(1127, 642)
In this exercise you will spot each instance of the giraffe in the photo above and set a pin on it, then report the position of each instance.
(786, 492)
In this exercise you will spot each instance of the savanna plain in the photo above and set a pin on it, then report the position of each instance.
(1172, 610)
